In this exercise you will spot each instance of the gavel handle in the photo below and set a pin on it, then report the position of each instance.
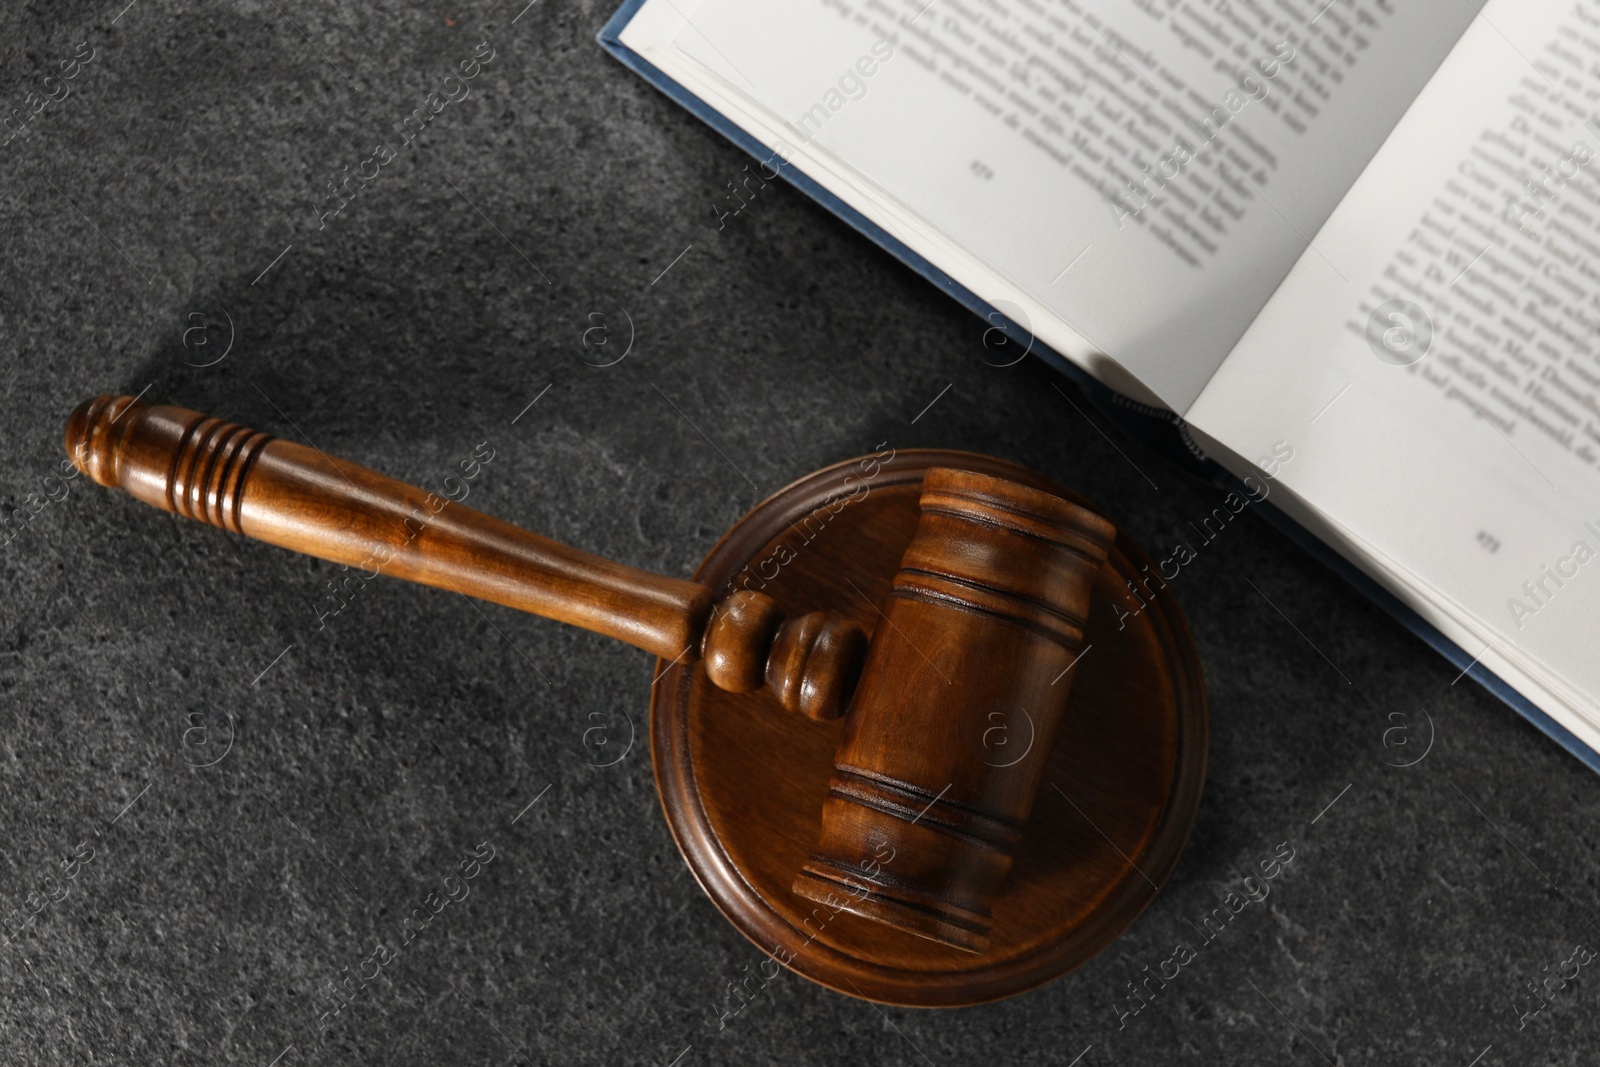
(298, 498)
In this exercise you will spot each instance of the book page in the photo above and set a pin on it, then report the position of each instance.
(1130, 179)
(1436, 362)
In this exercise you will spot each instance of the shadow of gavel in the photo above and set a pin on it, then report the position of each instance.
(986, 611)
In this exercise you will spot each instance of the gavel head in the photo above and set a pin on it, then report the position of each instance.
(982, 627)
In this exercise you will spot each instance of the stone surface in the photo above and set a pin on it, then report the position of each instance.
(362, 757)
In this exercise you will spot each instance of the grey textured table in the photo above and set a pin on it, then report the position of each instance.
(180, 890)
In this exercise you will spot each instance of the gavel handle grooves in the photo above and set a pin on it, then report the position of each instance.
(298, 498)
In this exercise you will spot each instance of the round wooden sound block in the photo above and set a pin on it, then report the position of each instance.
(742, 782)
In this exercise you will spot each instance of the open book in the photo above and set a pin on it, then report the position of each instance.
(1353, 244)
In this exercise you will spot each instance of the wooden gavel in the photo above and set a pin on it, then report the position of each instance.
(986, 615)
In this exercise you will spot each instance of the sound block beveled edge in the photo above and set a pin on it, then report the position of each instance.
(678, 783)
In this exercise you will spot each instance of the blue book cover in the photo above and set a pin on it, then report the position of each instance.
(1160, 431)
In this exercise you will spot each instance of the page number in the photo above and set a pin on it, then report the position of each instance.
(982, 170)
(1488, 542)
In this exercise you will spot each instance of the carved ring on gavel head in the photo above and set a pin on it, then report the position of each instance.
(987, 611)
